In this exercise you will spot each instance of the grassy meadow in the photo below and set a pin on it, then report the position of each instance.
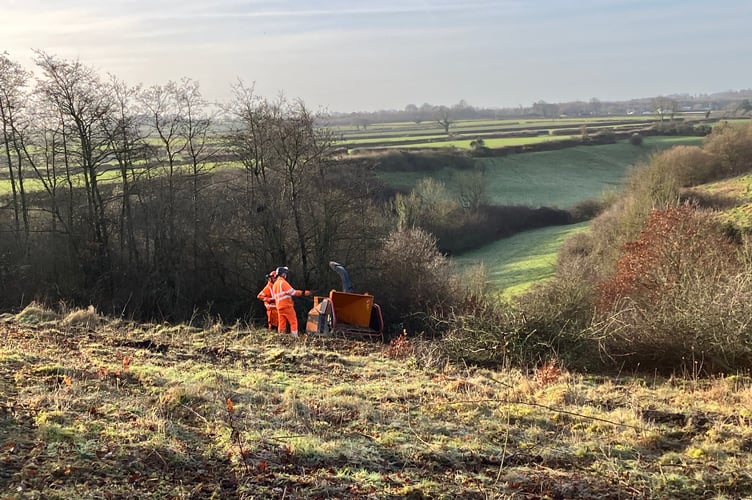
(514, 264)
(736, 191)
(559, 178)
(99, 408)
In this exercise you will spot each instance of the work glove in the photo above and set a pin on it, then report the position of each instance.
(307, 293)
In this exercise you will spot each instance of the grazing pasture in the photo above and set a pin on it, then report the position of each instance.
(559, 178)
(552, 178)
(513, 264)
(471, 126)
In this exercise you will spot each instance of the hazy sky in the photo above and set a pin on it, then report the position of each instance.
(384, 54)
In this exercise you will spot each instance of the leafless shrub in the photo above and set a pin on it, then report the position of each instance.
(689, 165)
(413, 277)
(681, 292)
(732, 145)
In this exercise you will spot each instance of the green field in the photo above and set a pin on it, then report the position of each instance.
(427, 126)
(559, 178)
(513, 264)
(430, 134)
(32, 182)
(553, 178)
(496, 142)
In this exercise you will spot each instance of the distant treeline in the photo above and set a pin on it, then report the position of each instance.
(724, 102)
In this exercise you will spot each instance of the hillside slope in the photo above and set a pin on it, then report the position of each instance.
(95, 408)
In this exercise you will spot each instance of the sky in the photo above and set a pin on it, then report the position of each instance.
(366, 55)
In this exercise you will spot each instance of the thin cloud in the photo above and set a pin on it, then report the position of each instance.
(386, 53)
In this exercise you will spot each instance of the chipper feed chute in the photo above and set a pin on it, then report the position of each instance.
(345, 312)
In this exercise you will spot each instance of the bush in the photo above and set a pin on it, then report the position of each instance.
(673, 244)
(602, 136)
(732, 144)
(483, 333)
(678, 127)
(680, 292)
(412, 279)
(688, 165)
(588, 209)
(558, 314)
(546, 322)
(635, 139)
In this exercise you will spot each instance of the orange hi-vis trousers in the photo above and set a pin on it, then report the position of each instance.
(283, 294)
(272, 317)
(287, 315)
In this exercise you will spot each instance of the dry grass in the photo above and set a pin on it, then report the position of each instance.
(35, 313)
(82, 317)
(140, 410)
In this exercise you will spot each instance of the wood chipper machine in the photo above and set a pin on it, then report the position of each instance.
(345, 313)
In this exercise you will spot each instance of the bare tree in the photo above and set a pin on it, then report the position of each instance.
(127, 143)
(82, 105)
(197, 121)
(665, 106)
(165, 112)
(444, 119)
(286, 155)
(302, 149)
(251, 141)
(13, 96)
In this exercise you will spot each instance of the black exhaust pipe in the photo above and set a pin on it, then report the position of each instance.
(347, 285)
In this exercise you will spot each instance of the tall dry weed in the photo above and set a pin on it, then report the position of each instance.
(83, 317)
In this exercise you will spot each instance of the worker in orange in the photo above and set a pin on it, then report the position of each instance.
(283, 293)
(267, 297)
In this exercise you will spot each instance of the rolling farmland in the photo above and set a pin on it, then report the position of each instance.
(559, 178)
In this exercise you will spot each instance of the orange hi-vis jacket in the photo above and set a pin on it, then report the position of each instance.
(267, 296)
(283, 293)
